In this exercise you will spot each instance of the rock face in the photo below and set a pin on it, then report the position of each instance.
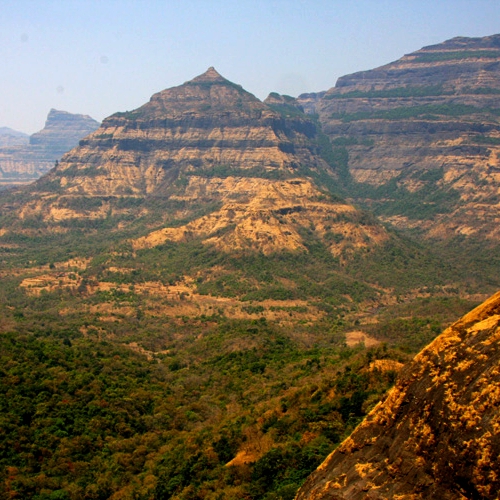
(423, 137)
(208, 126)
(63, 130)
(209, 143)
(436, 435)
(269, 216)
(25, 160)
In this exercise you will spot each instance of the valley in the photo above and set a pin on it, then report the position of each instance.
(206, 296)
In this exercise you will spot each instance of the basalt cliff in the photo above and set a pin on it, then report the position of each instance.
(420, 137)
(436, 433)
(24, 159)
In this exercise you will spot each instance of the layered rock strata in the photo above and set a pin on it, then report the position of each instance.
(423, 136)
(208, 146)
(25, 161)
(208, 125)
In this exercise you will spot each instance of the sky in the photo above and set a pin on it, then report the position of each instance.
(97, 57)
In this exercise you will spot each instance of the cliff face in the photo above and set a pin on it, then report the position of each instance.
(206, 126)
(423, 137)
(436, 433)
(210, 148)
(26, 160)
(62, 131)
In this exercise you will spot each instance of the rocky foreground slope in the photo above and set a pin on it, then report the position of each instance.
(436, 435)
(23, 161)
(422, 136)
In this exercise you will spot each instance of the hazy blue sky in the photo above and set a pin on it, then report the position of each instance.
(99, 57)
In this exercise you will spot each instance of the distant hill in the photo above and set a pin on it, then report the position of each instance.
(24, 159)
(11, 137)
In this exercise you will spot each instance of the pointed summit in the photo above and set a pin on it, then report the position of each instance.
(207, 93)
(229, 166)
(211, 75)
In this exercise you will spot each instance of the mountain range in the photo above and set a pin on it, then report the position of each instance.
(208, 293)
(421, 137)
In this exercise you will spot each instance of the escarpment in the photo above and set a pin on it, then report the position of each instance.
(25, 161)
(208, 126)
(421, 137)
(436, 433)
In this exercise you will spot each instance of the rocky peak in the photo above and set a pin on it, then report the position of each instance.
(211, 75)
(56, 118)
(206, 123)
(23, 160)
(463, 42)
(209, 143)
(63, 130)
(458, 64)
(284, 102)
(310, 100)
(208, 94)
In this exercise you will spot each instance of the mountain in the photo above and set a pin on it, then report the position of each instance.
(245, 190)
(421, 138)
(206, 147)
(10, 137)
(173, 292)
(23, 161)
(63, 131)
(435, 434)
(201, 127)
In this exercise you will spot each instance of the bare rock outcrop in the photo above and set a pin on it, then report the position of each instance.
(436, 434)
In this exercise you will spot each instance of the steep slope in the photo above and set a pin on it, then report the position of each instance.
(205, 199)
(207, 126)
(21, 162)
(63, 131)
(421, 137)
(436, 433)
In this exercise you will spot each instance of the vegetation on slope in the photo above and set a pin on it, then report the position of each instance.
(225, 409)
(104, 391)
(161, 373)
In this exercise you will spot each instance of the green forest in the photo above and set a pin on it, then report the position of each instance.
(107, 394)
